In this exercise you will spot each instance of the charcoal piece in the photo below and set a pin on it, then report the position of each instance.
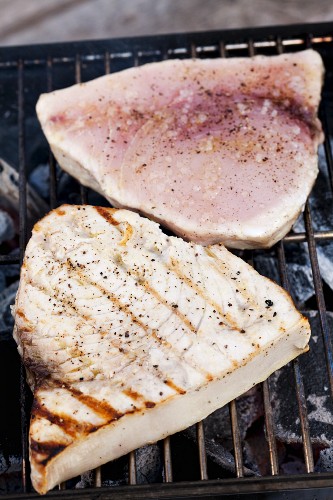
(325, 259)
(10, 474)
(7, 298)
(321, 206)
(321, 199)
(9, 194)
(36, 150)
(11, 270)
(7, 230)
(40, 180)
(68, 189)
(325, 461)
(149, 465)
(218, 453)
(298, 270)
(149, 469)
(315, 379)
(218, 434)
(86, 480)
(294, 465)
(2, 281)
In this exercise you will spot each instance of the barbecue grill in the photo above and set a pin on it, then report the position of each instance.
(27, 71)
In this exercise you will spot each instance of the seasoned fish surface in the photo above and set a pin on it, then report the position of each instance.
(129, 335)
(219, 150)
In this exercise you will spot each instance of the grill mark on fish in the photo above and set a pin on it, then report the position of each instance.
(132, 394)
(175, 387)
(167, 344)
(106, 214)
(58, 296)
(77, 270)
(172, 307)
(101, 408)
(250, 300)
(68, 424)
(177, 270)
(27, 322)
(43, 371)
(48, 448)
(135, 319)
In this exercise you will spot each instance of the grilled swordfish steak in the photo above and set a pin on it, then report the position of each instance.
(219, 150)
(129, 335)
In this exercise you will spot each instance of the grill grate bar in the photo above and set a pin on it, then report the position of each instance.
(270, 435)
(168, 476)
(78, 79)
(299, 386)
(319, 295)
(300, 237)
(107, 66)
(231, 46)
(132, 468)
(236, 438)
(98, 477)
(303, 413)
(52, 167)
(273, 456)
(202, 450)
(327, 147)
(23, 240)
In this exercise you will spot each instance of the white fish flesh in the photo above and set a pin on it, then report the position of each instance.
(129, 335)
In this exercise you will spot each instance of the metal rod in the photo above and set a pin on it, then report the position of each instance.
(327, 147)
(202, 451)
(273, 456)
(167, 460)
(251, 47)
(318, 286)
(132, 468)
(78, 79)
(303, 413)
(107, 65)
(299, 386)
(23, 240)
(236, 439)
(22, 170)
(222, 49)
(52, 167)
(300, 393)
(193, 51)
(299, 237)
(98, 477)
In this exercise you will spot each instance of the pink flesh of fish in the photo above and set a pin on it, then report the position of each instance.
(217, 150)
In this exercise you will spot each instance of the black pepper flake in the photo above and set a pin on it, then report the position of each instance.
(242, 331)
(269, 302)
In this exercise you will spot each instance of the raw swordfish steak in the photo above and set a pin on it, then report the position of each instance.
(129, 335)
(218, 150)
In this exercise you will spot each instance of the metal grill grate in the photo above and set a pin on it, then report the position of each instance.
(28, 71)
